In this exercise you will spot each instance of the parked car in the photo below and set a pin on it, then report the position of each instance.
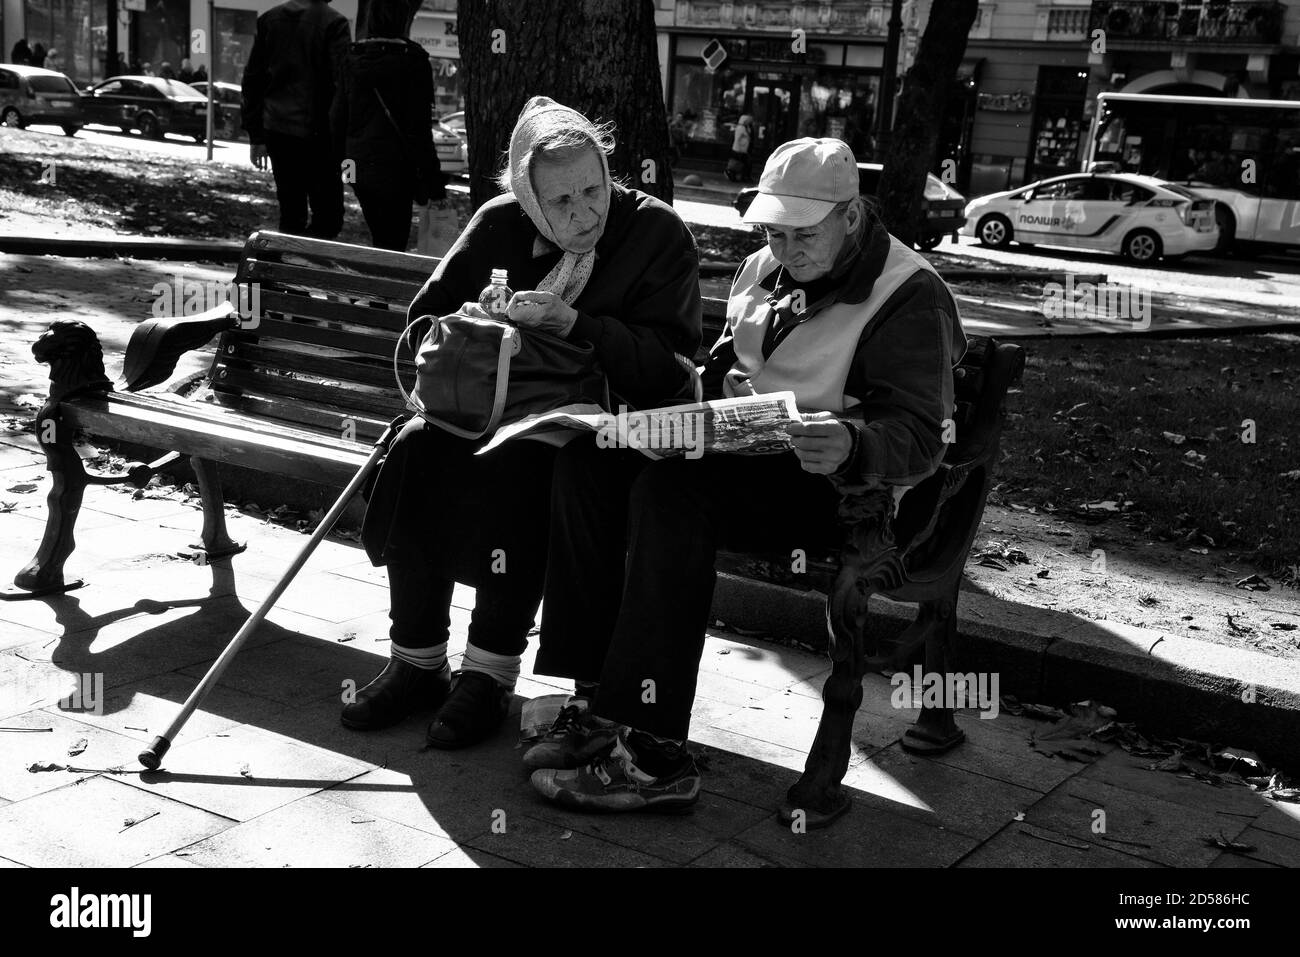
(31, 95)
(456, 123)
(941, 203)
(150, 104)
(228, 124)
(1141, 217)
(452, 147)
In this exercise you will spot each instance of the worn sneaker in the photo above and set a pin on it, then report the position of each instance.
(613, 782)
(576, 737)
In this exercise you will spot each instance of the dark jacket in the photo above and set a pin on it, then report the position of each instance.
(21, 54)
(387, 150)
(641, 304)
(290, 77)
(901, 371)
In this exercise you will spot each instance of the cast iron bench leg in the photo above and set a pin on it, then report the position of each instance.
(43, 575)
(937, 724)
(215, 542)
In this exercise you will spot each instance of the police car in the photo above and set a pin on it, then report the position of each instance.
(1142, 217)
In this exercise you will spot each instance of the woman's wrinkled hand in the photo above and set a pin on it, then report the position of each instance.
(544, 311)
(822, 442)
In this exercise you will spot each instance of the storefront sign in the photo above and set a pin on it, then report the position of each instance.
(437, 34)
(1006, 102)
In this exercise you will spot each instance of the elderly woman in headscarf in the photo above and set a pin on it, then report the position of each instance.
(591, 261)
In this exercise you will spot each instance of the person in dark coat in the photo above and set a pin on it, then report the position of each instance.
(38, 56)
(21, 53)
(590, 261)
(381, 122)
(288, 87)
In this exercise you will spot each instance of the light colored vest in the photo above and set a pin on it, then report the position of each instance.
(813, 360)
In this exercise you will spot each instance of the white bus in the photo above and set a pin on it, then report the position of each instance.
(1244, 154)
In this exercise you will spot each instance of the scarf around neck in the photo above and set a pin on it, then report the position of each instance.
(540, 116)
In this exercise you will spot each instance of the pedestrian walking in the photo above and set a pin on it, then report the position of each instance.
(53, 61)
(21, 53)
(380, 121)
(186, 72)
(738, 167)
(288, 88)
(38, 56)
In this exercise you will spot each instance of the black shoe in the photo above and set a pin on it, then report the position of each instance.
(477, 705)
(401, 689)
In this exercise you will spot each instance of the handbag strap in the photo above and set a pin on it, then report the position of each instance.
(498, 399)
(396, 129)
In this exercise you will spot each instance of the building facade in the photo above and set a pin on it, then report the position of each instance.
(1035, 70)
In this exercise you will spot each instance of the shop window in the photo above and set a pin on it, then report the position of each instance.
(710, 104)
(236, 30)
(842, 106)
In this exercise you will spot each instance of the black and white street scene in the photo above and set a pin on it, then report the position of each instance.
(653, 433)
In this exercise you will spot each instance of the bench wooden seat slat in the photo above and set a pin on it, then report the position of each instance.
(327, 280)
(325, 460)
(269, 416)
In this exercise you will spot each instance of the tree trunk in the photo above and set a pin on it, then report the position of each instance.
(920, 111)
(596, 56)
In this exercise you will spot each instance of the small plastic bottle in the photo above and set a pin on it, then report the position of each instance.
(496, 295)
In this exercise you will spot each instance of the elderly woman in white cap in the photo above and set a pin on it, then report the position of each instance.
(591, 260)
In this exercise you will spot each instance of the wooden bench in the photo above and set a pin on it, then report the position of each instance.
(305, 391)
(302, 389)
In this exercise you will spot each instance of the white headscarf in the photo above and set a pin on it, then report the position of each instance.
(542, 116)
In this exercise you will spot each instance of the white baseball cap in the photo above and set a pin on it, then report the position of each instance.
(802, 181)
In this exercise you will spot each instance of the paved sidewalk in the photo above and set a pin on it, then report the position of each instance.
(265, 775)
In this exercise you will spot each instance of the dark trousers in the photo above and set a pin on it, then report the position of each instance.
(387, 208)
(440, 514)
(306, 174)
(628, 622)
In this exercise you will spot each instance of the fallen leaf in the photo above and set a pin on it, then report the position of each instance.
(23, 487)
(1227, 845)
(243, 770)
(566, 835)
(1252, 583)
(36, 766)
(78, 746)
(1173, 438)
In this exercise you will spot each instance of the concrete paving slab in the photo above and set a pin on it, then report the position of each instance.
(140, 711)
(342, 838)
(758, 662)
(1270, 848)
(85, 825)
(747, 770)
(470, 857)
(537, 843)
(168, 861)
(866, 836)
(14, 635)
(1132, 773)
(1282, 818)
(1135, 823)
(679, 839)
(98, 748)
(730, 855)
(210, 772)
(962, 801)
(321, 595)
(1005, 754)
(294, 670)
(1025, 845)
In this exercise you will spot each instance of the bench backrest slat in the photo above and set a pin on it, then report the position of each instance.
(278, 304)
(307, 415)
(379, 403)
(316, 362)
(333, 281)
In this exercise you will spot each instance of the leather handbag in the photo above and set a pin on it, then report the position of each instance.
(474, 375)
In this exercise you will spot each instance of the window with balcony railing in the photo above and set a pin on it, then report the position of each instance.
(1060, 23)
(1211, 21)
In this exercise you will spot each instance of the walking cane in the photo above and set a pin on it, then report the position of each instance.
(151, 757)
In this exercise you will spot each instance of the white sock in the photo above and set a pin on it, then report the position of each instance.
(432, 658)
(504, 668)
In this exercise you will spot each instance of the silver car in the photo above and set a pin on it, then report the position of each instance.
(31, 95)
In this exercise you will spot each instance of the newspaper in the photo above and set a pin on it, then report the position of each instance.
(752, 424)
